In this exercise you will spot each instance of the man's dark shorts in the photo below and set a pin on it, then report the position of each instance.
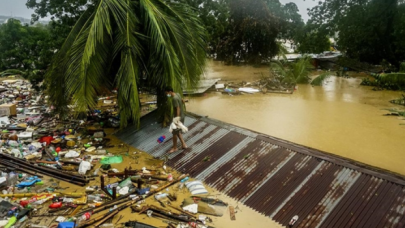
(177, 131)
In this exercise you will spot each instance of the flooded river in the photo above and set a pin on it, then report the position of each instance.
(340, 117)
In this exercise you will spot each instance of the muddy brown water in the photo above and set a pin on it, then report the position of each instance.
(340, 117)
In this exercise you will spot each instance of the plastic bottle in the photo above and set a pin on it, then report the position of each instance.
(160, 196)
(113, 208)
(101, 152)
(67, 200)
(85, 216)
(13, 143)
(11, 222)
(107, 225)
(161, 139)
(94, 198)
(41, 201)
(56, 205)
(32, 148)
(169, 177)
(12, 179)
(184, 180)
(96, 204)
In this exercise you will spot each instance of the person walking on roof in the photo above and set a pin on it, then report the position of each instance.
(178, 115)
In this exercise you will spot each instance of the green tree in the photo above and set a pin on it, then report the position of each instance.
(214, 14)
(312, 40)
(252, 33)
(368, 30)
(399, 34)
(290, 20)
(118, 43)
(25, 49)
(64, 15)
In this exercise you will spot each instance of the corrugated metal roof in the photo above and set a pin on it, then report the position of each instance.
(278, 178)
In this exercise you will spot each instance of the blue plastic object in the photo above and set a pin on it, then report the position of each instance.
(184, 180)
(161, 139)
(66, 225)
(30, 181)
(142, 191)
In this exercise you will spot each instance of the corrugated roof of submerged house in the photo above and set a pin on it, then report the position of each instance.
(278, 178)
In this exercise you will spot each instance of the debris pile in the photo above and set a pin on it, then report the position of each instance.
(267, 84)
(41, 157)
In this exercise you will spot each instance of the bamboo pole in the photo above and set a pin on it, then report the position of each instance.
(22, 195)
(19, 168)
(44, 170)
(105, 218)
(183, 211)
(127, 204)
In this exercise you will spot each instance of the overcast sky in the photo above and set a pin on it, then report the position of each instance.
(303, 5)
(18, 8)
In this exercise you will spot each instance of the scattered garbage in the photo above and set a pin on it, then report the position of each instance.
(42, 155)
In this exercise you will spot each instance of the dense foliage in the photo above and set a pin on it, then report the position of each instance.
(215, 18)
(246, 31)
(390, 81)
(252, 33)
(368, 30)
(64, 15)
(25, 50)
(312, 40)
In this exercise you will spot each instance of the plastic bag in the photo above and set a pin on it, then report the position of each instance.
(72, 154)
(111, 160)
(126, 183)
(84, 167)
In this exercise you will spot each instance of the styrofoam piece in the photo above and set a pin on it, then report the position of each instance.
(4, 121)
(199, 192)
(25, 135)
(219, 86)
(191, 183)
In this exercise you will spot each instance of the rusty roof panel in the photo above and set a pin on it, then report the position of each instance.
(218, 164)
(278, 178)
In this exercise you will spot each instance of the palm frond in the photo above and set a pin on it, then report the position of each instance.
(176, 41)
(320, 79)
(11, 72)
(90, 55)
(301, 70)
(127, 44)
(282, 51)
(280, 69)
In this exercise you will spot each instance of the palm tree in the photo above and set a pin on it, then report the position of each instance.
(293, 72)
(121, 42)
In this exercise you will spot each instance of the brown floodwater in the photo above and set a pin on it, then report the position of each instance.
(340, 117)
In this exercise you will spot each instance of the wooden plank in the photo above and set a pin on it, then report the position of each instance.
(232, 212)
